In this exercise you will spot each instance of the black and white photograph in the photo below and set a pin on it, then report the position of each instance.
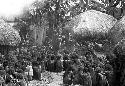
(62, 42)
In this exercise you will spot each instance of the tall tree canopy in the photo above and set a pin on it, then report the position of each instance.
(57, 13)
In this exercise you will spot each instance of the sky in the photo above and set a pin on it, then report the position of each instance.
(12, 8)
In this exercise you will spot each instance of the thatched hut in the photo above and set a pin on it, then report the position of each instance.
(92, 22)
(9, 37)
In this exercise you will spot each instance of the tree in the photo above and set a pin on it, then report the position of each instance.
(58, 12)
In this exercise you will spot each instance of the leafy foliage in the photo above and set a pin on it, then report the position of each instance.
(8, 35)
(54, 14)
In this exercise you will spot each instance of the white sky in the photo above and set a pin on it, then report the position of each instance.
(10, 8)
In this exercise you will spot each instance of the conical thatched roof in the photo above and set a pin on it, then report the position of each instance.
(92, 22)
(8, 35)
(93, 26)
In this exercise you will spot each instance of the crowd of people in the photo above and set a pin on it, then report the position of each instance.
(88, 70)
(83, 70)
(21, 72)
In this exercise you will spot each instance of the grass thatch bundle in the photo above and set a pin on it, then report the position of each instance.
(92, 26)
(91, 22)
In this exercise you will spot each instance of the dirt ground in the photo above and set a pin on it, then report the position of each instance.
(48, 79)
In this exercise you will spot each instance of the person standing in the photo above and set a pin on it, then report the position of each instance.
(119, 64)
(30, 71)
(36, 70)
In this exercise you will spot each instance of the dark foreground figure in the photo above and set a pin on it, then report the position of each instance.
(119, 65)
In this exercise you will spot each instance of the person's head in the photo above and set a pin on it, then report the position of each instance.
(1, 67)
(20, 76)
(98, 69)
(81, 71)
(74, 56)
(52, 57)
(85, 70)
(30, 63)
(20, 70)
(108, 67)
(58, 57)
(65, 57)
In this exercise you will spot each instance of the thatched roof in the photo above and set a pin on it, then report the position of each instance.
(8, 35)
(92, 22)
(92, 26)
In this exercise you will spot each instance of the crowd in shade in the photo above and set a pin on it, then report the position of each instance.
(19, 68)
(85, 70)
(88, 70)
